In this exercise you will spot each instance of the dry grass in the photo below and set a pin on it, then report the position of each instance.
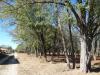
(34, 66)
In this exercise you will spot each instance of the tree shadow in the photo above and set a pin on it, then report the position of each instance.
(2, 56)
(96, 65)
(61, 58)
(11, 60)
(96, 69)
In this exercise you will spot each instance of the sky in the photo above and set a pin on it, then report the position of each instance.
(5, 37)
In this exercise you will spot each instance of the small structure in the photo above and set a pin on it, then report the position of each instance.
(5, 49)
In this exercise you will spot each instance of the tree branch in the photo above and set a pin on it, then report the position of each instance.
(96, 34)
(73, 10)
(94, 30)
(80, 23)
(8, 4)
(79, 1)
(48, 2)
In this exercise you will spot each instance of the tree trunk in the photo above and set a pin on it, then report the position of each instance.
(43, 44)
(95, 49)
(62, 37)
(72, 48)
(85, 57)
(36, 52)
(54, 43)
(53, 53)
(64, 46)
(58, 53)
(98, 48)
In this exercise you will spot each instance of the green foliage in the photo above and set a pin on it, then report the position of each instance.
(34, 24)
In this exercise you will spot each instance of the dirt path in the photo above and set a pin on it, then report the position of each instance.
(29, 65)
(10, 67)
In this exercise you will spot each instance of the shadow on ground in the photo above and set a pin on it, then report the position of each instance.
(11, 60)
(2, 56)
(97, 69)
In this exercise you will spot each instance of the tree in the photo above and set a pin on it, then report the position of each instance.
(88, 26)
(87, 16)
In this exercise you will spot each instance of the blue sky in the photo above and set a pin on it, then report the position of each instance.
(5, 37)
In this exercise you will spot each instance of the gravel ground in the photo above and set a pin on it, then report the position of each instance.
(29, 65)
